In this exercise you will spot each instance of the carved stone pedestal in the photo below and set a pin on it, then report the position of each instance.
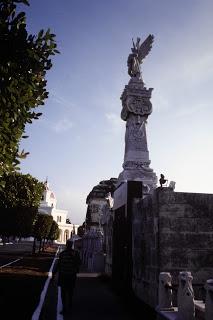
(136, 109)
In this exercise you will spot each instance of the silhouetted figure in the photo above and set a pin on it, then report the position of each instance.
(68, 267)
(162, 180)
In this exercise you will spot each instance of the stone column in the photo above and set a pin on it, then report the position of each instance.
(136, 109)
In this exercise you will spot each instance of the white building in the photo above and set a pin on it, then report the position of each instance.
(48, 206)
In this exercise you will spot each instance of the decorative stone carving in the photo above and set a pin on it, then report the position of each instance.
(165, 292)
(172, 185)
(186, 304)
(96, 201)
(136, 57)
(136, 107)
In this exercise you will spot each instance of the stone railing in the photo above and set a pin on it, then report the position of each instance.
(187, 307)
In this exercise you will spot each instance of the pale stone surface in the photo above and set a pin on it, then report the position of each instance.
(97, 201)
(165, 292)
(172, 185)
(186, 304)
(98, 237)
(136, 109)
(92, 250)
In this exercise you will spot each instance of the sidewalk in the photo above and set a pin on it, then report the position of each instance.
(94, 299)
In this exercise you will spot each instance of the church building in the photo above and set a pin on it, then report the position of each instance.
(48, 206)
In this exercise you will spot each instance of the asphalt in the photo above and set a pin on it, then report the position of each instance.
(95, 299)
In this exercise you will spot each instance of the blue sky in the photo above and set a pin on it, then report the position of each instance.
(79, 139)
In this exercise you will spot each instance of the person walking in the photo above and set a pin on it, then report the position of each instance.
(68, 266)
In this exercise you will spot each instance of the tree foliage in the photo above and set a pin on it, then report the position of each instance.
(24, 61)
(41, 229)
(54, 231)
(24, 218)
(18, 222)
(20, 190)
(19, 201)
(42, 226)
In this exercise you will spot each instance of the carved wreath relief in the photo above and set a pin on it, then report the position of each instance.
(139, 105)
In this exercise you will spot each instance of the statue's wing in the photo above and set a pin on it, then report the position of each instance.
(145, 48)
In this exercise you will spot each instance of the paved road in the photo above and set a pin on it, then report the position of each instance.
(94, 299)
(11, 252)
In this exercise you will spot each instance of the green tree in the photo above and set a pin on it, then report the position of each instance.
(19, 201)
(23, 219)
(21, 190)
(24, 61)
(41, 228)
(54, 231)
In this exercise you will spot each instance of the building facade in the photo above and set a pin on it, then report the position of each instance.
(48, 206)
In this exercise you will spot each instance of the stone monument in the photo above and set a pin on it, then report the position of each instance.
(136, 107)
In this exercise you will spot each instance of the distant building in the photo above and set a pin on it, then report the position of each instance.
(48, 206)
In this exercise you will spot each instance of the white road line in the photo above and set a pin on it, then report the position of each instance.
(37, 311)
(10, 263)
(59, 305)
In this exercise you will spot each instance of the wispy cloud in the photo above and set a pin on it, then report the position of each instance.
(186, 111)
(199, 68)
(160, 102)
(61, 100)
(115, 122)
(62, 125)
(59, 126)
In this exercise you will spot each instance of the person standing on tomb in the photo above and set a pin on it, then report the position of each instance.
(68, 266)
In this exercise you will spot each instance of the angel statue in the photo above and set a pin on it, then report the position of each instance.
(139, 52)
